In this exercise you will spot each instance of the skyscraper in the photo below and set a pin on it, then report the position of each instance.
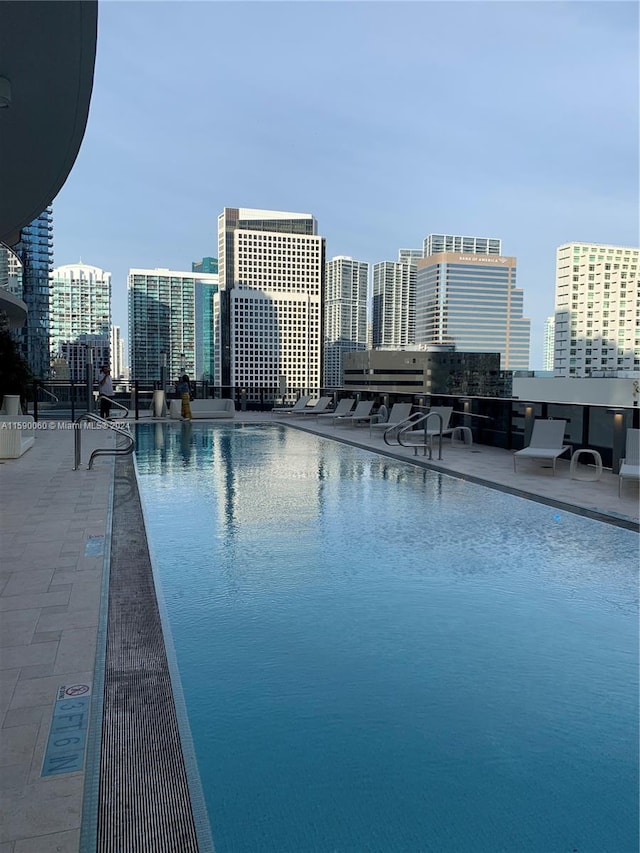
(35, 251)
(437, 243)
(345, 324)
(597, 310)
(117, 353)
(209, 265)
(268, 312)
(162, 322)
(205, 312)
(80, 305)
(394, 295)
(471, 301)
(549, 341)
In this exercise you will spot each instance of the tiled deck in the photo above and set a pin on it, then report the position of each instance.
(50, 592)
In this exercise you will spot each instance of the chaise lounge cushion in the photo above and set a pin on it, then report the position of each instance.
(209, 409)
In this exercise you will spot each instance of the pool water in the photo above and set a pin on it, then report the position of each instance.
(376, 657)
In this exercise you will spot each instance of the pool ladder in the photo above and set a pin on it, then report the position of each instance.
(408, 427)
(101, 451)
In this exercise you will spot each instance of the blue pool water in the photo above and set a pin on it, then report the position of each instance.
(380, 658)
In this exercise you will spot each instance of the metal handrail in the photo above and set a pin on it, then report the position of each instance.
(103, 451)
(427, 438)
(53, 396)
(115, 403)
(397, 428)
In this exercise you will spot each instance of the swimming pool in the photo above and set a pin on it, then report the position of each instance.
(376, 657)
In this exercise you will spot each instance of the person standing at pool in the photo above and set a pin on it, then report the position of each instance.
(184, 389)
(106, 392)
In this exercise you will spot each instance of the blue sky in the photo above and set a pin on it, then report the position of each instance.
(386, 120)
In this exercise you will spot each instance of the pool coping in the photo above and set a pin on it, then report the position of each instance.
(94, 835)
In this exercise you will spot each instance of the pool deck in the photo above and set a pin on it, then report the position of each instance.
(53, 526)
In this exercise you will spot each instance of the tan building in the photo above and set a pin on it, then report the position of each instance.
(471, 301)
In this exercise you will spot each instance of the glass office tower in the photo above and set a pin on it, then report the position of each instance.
(35, 251)
(471, 301)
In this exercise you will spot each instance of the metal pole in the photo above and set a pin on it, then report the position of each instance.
(88, 369)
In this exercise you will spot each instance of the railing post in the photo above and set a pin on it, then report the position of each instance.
(73, 400)
(35, 400)
(135, 398)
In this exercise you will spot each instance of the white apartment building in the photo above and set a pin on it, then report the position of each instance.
(345, 322)
(117, 353)
(597, 313)
(436, 243)
(549, 342)
(394, 301)
(79, 306)
(268, 310)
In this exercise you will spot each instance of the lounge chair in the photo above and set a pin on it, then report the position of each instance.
(320, 407)
(630, 465)
(343, 408)
(398, 414)
(287, 410)
(360, 413)
(546, 442)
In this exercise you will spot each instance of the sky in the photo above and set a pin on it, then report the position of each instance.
(387, 121)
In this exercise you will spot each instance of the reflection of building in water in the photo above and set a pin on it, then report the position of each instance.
(260, 481)
(162, 447)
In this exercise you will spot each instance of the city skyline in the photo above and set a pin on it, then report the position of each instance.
(535, 140)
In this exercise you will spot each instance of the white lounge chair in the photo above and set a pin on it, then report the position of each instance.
(546, 442)
(630, 465)
(287, 410)
(320, 407)
(360, 413)
(343, 408)
(398, 414)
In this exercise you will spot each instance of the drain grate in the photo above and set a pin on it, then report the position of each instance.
(144, 803)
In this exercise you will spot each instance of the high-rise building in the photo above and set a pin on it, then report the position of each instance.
(597, 310)
(208, 265)
(394, 299)
(72, 358)
(472, 302)
(549, 341)
(205, 312)
(35, 251)
(410, 256)
(162, 330)
(79, 304)
(436, 243)
(268, 311)
(345, 321)
(117, 353)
